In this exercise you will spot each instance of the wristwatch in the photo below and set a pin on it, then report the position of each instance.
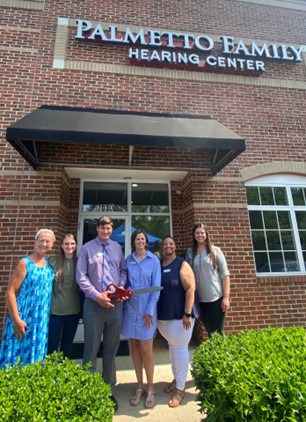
(187, 315)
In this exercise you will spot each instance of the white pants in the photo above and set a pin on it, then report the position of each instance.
(178, 340)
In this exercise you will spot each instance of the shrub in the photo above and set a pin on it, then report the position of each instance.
(253, 376)
(58, 390)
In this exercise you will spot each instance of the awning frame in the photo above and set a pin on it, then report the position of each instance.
(83, 125)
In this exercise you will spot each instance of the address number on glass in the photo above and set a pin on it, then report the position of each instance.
(104, 208)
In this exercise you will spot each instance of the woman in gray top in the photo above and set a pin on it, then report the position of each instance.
(66, 303)
(212, 279)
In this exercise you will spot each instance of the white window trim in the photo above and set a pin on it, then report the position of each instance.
(286, 181)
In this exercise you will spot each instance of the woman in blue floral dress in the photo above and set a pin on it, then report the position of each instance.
(28, 300)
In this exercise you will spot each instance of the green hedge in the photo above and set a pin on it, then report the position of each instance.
(58, 390)
(253, 376)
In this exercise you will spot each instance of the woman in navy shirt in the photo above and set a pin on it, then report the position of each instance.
(175, 316)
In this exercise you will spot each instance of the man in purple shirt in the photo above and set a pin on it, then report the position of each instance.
(100, 262)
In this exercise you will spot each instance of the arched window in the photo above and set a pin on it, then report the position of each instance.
(277, 212)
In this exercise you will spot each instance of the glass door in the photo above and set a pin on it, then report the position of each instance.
(131, 205)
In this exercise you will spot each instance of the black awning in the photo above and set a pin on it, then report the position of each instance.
(83, 125)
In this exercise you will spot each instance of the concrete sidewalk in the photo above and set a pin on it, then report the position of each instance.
(188, 411)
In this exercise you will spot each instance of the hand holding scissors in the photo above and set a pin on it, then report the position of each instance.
(121, 294)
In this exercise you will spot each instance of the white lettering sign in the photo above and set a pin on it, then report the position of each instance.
(155, 47)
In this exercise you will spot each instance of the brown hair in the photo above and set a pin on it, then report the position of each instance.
(61, 261)
(208, 247)
(134, 235)
(102, 221)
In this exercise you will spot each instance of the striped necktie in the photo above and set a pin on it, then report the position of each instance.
(106, 277)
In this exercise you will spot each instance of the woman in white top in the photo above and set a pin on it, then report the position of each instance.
(212, 279)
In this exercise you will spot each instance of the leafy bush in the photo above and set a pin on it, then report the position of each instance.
(58, 390)
(253, 376)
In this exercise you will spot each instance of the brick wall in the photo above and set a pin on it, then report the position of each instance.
(267, 111)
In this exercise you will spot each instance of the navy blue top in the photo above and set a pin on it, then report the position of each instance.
(171, 304)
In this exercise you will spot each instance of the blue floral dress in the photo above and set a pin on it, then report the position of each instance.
(33, 303)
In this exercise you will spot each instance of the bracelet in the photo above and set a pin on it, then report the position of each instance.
(187, 315)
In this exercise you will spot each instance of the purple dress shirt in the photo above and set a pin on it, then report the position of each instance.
(89, 270)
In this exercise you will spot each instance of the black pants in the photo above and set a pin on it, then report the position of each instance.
(212, 316)
(62, 329)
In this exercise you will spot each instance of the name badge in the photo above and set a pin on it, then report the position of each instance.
(168, 270)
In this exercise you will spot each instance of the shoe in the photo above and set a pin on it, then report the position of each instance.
(113, 399)
(177, 398)
(150, 400)
(170, 387)
(135, 399)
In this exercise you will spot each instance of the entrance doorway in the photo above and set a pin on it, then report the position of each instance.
(131, 205)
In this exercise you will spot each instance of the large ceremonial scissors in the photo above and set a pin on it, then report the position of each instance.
(120, 294)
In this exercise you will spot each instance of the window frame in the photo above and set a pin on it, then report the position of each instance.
(128, 214)
(286, 181)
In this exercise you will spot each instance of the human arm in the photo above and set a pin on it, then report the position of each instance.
(225, 304)
(15, 282)
(188, 283)
(225, 279)
(122, 273)
(85, 274)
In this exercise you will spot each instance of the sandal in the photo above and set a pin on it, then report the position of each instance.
(135, 399)
(177, 398)
(150, 400)
(170, 387)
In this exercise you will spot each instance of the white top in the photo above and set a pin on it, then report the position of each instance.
(208, 279)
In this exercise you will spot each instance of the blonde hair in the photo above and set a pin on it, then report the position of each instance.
(45, 231)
